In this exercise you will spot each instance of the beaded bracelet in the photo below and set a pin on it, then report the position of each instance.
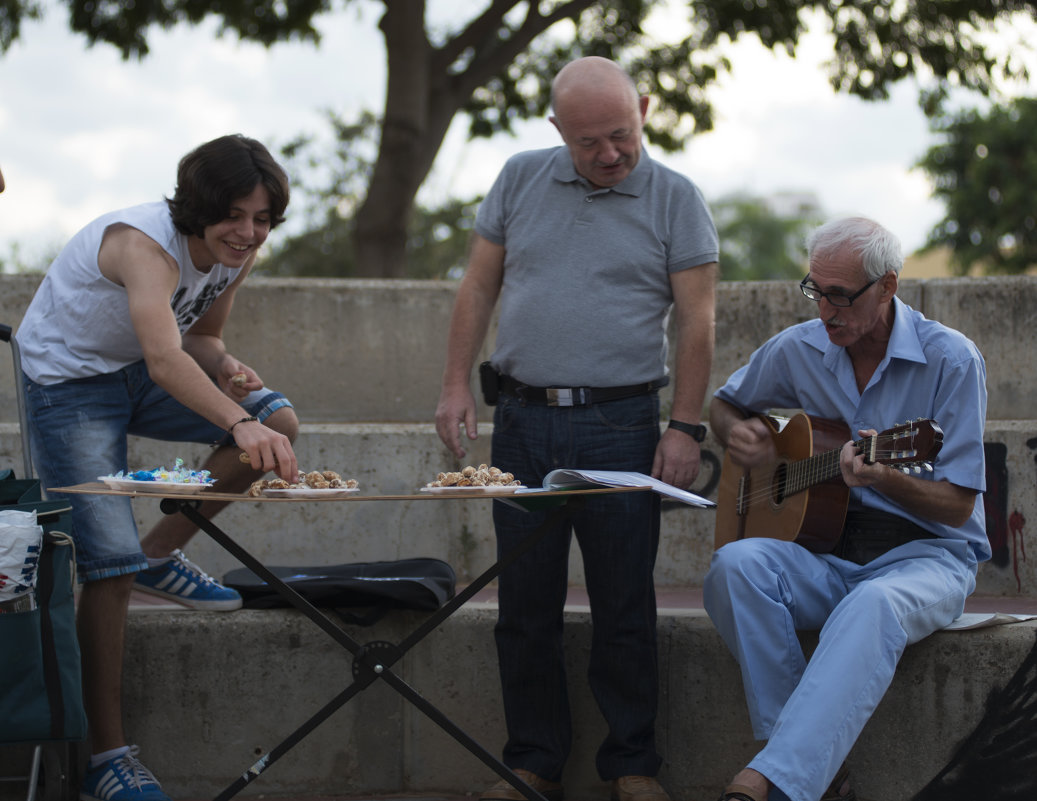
(243, 420)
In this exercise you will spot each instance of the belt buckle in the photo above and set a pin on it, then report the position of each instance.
(559, 396)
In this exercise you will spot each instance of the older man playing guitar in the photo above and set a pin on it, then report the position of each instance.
(901, 550)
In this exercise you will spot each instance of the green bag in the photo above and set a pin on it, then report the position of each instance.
(41, 694)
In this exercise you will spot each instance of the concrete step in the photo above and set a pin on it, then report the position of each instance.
(208, 695)
(364, 350)
(395, 459)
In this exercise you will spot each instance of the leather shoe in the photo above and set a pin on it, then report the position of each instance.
(638, 788)
(503, 790)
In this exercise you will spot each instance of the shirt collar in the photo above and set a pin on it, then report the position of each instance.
(634, 184)
(903, 339)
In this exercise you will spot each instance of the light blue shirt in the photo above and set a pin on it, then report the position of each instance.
(930, 371)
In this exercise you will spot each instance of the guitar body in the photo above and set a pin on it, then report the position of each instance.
(755, 503)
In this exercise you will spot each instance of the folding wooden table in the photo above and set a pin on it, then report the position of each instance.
(371, 660)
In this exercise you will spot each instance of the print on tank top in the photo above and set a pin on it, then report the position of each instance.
(188, 312)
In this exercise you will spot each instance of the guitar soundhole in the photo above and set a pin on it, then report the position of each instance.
(779, 484)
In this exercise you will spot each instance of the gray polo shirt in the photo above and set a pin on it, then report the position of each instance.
(586, 293)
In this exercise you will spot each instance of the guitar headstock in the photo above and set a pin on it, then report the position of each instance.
(908, 446)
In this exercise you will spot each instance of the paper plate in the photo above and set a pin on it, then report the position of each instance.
(165, 487)
(310, 492)
(511, 490)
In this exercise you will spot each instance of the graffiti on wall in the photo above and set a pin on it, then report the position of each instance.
(1005, 529)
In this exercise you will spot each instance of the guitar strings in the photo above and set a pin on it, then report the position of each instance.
(804, 473)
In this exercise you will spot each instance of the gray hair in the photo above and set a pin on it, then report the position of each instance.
(878, 248)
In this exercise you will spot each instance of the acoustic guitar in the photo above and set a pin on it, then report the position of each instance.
(801, 496)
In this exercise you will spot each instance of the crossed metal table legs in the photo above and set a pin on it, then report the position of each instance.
(373, 660)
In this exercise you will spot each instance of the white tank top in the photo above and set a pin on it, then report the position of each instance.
(78, 323)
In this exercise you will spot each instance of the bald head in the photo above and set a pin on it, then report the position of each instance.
(599, 114)
(592, 76)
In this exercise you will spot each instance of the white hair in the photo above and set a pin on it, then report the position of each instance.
(878, 248)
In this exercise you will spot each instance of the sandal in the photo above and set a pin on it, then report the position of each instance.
(739, 792)
(841, 778)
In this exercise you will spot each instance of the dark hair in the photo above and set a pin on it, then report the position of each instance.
(214, 175)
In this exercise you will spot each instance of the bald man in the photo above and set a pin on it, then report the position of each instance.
(589, 247)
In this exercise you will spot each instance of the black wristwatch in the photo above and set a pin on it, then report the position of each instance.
(696, 432)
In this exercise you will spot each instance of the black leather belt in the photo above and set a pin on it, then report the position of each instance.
(573, 396)
(869, 533)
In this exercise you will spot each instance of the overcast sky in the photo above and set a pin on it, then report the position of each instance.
(83, 132)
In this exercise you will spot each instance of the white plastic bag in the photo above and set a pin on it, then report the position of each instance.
(20, 541)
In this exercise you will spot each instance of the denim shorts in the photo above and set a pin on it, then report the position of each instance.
(79, 431)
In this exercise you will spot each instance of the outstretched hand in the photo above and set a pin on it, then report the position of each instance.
(267, 450)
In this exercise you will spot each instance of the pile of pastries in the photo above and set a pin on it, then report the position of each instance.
(481, 476)
(314, 479)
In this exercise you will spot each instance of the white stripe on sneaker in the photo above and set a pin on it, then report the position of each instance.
(109, 785)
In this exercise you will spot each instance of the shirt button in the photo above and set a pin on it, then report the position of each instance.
(588, 199)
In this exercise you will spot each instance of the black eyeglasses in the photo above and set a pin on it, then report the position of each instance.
(813, 291)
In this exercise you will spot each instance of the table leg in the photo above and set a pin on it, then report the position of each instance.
(374, 660)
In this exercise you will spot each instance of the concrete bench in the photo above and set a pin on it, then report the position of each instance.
(208, 694)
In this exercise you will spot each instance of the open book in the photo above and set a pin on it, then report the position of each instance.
(584, 479)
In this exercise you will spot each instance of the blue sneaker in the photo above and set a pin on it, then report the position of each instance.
(122, 778)
(182, 581)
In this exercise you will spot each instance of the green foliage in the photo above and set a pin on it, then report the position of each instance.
(763, 239)
(12, 13)
(985, 170)
(877, 43)
(501, 62)
(497, 67)
(124, 24)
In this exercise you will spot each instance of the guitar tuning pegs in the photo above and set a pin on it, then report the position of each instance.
(917, 469)
(928, 467)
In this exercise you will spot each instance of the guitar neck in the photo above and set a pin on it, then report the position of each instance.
(816, 469)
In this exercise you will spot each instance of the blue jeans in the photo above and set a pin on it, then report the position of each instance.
(79, 432)
(618, 536)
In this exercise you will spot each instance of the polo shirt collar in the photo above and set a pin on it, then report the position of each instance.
(634, 184)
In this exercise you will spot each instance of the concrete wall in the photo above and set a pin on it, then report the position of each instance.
(362, 362)
(239, 684)
(352, 351)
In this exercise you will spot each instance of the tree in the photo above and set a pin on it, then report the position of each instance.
(496, 66)
(437, 239)
(985, 171)
(763, 239)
